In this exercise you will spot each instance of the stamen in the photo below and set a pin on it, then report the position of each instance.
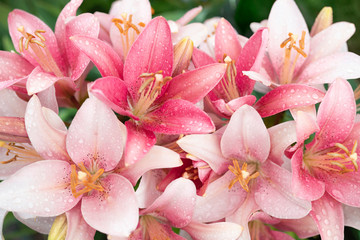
(20, 151)
(36, 47)
(85, 180)
(228, 82)
(341, 161)
(289, 44)
(241, 175)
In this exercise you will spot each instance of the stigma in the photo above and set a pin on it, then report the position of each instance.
(83, 181)
(288, 67)
(35, 45)
(243, 175)
(128, 31)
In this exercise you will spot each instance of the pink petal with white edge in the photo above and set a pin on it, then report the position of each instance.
(287, 97)
(113, 211)
(189, 15)
(68, 11)
(95, 135)
(149, 53)
(207, 148)
(39, 224)
(281, 136)
(45, 132)
(226, 41)
(13, 66)
(41, 189)
(325, 70)
(338, 32)
(177, 116)
(201, 58)
(219, 201)
(113, 92)
(168, 203)
(40, 80)
(157, 158)
(251, 58)
(329, 217)
(87, 25)
(77, 228)
(18, 18)
(227, 109)
(101, 54)
(11, 105)
(140, 9)
(304, 185)
(304, 227)
(274, 194)
(336, 114)
(139, 141)
(248, 133)
(351, 216)
(285, 17)
(196, 84)
(214, 231)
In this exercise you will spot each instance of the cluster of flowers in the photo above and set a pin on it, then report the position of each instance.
(193, 152)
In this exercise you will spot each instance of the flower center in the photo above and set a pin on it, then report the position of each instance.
(153, 229)
(243, 175)
(288, 67)
(149, 90)
(21, 152)
(35, 44)
(341, 160)
(83, 181)
(128, 31)
(227, 84)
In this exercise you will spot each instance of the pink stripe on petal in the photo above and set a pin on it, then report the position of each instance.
(287, 97)
(177, 116)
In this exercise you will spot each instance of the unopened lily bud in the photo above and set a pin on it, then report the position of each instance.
(322, 21)
(182, 55)
(59, 228)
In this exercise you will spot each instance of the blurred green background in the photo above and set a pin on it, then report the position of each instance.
(239, 12)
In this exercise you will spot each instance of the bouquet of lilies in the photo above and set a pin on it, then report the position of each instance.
(192, 132)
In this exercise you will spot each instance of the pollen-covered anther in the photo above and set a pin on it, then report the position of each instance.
(191, 173)
(344, 159)
(20, 151)
(242, 175)
(83, 181)
(289, 44)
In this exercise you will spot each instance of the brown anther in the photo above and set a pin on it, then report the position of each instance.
(39, 35)
(141, 24)
(13, 159)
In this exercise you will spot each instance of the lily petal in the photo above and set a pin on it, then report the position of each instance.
(214, 231)
(13, 68)
(201, 58)
(95, 129)
(10, 104)
(226, 41)
(113, 211)
(77, 228)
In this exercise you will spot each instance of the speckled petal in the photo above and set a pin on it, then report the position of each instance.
(13, 68)
(41, 189)
(113, 211)
(201, 58)
(95, 135)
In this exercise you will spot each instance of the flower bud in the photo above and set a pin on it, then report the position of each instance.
(59, 228)
(322, 21)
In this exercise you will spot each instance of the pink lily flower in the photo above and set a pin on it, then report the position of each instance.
(46, 58)
(148, 95)
(268, 183)
(234, 89)
(52, 187)
(295, 57)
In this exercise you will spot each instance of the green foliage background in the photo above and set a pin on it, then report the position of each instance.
(239, 12)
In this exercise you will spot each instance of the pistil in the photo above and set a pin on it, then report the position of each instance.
(228, 82)
(39, 51)
(288, 67)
